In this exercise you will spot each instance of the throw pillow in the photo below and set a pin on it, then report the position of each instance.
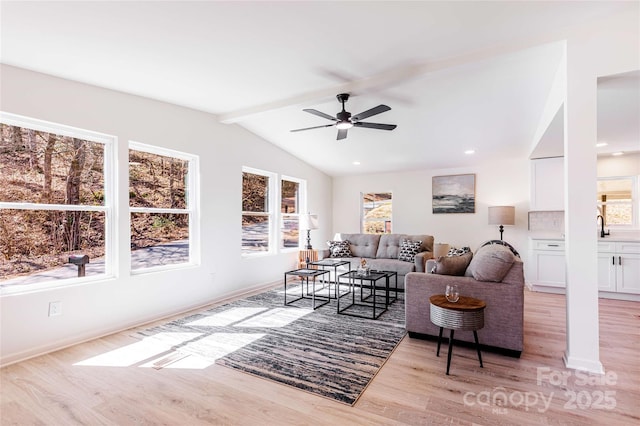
(458, 251)
(491, 263)
(408, 250)
(339, 248)
(452, 265)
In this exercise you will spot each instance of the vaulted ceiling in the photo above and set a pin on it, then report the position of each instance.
(458, 75)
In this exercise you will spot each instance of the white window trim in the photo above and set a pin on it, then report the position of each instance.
(302, 208)
(274, 194)
(275, 215)
(635, 202)
(193, 205)
(109, 208)
(362, 207)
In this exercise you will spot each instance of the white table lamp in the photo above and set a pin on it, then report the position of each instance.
(308, 221)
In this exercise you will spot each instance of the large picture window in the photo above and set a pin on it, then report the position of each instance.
(161, 202)
(376, 212)
(55, 202)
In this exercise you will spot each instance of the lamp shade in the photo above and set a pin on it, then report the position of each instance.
(440, 249)
(502, 215)
(309, 221)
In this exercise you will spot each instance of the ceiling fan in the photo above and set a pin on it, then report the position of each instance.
(344, 121)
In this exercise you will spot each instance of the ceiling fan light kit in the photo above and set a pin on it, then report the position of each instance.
(344, 120)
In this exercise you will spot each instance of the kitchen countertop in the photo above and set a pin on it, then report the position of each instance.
(621, 237)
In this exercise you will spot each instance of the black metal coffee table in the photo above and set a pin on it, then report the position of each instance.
(378, 305)
(304, 274)
(327, 264)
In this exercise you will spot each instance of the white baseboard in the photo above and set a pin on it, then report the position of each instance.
(98, 334)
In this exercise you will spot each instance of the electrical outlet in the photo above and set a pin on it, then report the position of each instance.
(55, 309)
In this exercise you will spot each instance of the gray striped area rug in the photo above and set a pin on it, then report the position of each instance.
(318, 351)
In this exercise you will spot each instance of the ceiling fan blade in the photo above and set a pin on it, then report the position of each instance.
(315, 127)
(375, 125)
(342, 134)
(320, 114)
(368, 113)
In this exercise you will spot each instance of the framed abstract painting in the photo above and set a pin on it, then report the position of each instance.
(454, 193)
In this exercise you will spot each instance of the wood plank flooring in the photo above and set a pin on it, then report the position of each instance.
(411, 388)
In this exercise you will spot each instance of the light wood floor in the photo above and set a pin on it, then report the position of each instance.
(411, 388)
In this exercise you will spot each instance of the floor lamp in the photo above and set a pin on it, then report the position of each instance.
(502, 215)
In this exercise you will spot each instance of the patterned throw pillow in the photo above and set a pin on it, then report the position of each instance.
(339, 248)
(408, 250)
(458, 251)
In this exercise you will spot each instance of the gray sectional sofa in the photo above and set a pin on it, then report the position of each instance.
(504, 297)
(382, 252)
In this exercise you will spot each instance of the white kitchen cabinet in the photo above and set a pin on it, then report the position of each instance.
(547, 184)
(547, 265)
(619, 267)
(606, 272)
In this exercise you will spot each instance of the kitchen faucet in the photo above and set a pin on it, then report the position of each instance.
(602, 233)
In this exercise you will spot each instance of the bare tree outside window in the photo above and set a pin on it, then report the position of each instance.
(255, 213)
(290, 213)
(160, 215)
(52, 201)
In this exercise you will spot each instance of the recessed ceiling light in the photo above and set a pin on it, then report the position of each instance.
(617, 153)
(601, 144)
(470, 151)
(356, 163)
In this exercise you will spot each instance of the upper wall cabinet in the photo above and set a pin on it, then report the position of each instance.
(547, 184)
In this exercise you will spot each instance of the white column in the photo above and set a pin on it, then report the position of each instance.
(580, 161)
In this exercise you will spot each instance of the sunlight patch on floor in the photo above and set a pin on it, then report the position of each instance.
(220, 344)
(134, 353)
(278, 317)
(227, 317)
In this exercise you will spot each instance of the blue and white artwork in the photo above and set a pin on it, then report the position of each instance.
(454, 193)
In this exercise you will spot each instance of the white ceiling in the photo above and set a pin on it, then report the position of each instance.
(457, 75)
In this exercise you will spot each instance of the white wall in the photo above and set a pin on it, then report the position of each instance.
(623, 165)
(101, 307)
(498, 182)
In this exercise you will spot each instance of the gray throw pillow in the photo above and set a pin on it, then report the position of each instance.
(491, 263)
(452, 265)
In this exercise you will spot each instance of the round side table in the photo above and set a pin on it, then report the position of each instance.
(465, 314)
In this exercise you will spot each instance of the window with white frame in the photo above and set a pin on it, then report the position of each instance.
(262, 192)
(258, 188)
(291, 193)
(376, 209)
(162, 199)
(618, 201)
(56, 202)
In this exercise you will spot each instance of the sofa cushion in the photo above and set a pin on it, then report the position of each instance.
(491, 263)
(339, 248)
(402, 268)
(408, 250)
(452, 265)
(362, 245)
(389, 246)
